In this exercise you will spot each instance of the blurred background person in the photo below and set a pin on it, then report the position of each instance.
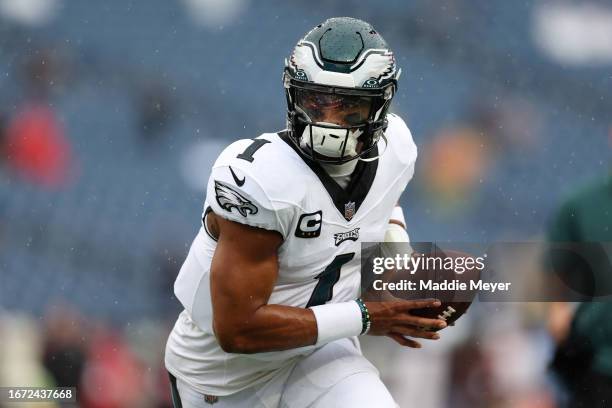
(583, 358)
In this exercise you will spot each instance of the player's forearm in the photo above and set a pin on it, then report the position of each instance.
(269, 328)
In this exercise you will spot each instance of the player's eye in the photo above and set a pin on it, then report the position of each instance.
(354, 118)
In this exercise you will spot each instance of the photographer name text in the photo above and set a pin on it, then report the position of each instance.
(452, 285)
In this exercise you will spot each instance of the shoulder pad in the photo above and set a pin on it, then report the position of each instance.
(270, 163)
(400, 140)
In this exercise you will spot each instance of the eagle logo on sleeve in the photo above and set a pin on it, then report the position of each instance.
(229, 198)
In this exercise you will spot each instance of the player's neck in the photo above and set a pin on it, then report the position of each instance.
(340, 170)
(341, 173)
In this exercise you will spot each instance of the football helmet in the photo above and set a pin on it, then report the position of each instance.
(339, 83)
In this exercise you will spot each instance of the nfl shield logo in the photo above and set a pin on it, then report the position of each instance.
(349, 210)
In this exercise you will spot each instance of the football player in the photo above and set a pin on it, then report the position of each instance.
(271, 283)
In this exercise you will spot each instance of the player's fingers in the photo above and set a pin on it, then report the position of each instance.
(398, 338)
(416, 321)
(416, 332)
(417, 304)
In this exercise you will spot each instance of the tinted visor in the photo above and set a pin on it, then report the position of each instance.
(339, 109)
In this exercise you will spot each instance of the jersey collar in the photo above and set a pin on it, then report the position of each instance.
(347, 201)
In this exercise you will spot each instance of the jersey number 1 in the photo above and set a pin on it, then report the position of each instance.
(324, 290)
(251, 149)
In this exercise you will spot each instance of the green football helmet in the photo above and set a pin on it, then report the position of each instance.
(339, 83)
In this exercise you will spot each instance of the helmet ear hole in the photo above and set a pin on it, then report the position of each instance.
(388, 94)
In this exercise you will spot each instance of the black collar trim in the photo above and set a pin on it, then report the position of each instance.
(357, 189)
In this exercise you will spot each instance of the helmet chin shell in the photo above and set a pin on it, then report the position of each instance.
(342, 56)
(331, 141)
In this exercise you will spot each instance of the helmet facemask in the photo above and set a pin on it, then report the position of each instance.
(336, 125)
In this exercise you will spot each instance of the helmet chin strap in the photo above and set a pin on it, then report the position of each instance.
(327, 139)
(370, 159)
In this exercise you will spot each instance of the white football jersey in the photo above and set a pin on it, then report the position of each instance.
(267, 183)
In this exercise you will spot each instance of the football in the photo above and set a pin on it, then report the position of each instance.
(445, 275)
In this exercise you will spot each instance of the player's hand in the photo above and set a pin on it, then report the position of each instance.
(393, 319)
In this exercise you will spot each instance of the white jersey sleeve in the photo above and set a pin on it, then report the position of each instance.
(240, 190)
